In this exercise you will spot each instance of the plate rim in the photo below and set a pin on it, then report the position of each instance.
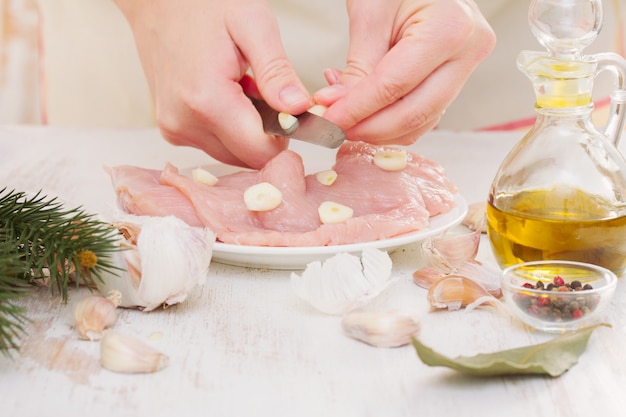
(461, 206)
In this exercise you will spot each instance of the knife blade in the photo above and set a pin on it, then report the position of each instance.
(310, 127)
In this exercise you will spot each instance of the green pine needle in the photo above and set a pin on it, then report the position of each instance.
(43, 242)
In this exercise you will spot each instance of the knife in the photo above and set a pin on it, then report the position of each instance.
(310, 127)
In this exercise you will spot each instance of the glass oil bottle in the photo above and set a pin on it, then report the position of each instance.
(561, 191)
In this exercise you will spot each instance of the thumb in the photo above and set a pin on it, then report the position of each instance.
(275, 77)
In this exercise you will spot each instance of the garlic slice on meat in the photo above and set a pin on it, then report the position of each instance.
(380, 329)
(327, 177)
(391, 160)
(123, 353)
(163, 259)
(344, 281)
(203, 176)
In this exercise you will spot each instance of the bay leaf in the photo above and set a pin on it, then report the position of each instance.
(553, 357)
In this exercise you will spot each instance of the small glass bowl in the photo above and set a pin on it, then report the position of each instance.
(558, 296)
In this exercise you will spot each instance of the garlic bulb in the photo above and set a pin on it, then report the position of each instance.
(123, 353)
(344, 281)
(381, 329)
(164, 258)
(94, 313)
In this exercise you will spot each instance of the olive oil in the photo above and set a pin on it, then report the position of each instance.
(564, 224)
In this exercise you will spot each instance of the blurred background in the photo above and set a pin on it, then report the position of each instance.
(73, 62)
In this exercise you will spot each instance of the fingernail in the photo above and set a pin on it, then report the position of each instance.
(293, 96)
(332, 76)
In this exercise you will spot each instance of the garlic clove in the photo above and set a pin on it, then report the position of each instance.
(333, 213)
(485, 276)
(455, 291)
(123, 353)
(344, 281)
(163, 260)
(203, 176)
(94, 313)
(288, 122)
(262, 197)
(476, 217)
(424, 277)
(451, 248)
(326, 177)
(391, 160)
(381, 329)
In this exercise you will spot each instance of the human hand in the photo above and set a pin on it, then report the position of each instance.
(407, 61)
(195, 53)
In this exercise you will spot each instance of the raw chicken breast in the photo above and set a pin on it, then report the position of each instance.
(385, 203)
(140, 192)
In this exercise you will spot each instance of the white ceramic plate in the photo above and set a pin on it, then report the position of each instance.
(299, 257)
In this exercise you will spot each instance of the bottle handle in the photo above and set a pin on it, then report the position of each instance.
(609, 61)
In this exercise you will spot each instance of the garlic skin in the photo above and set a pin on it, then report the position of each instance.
(345, 281)
(164, 259)
(450, 249)
(386, 329)
(476, 218)
(94, 313)
(123, 353)
(455, 292)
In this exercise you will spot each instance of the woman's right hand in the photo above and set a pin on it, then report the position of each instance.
(195, 53)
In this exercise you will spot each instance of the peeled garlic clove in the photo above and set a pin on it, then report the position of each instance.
(344, 282)
(164, 260)
(262, 197)
(123, 353)
(288, 122)
(455, 291)
(333, 213)
(94, 313)
(326, 177)
(380, 329)
(204, 177)
(318, 110)
(391, 160)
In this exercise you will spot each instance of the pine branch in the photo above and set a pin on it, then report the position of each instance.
(42, 242)
(12, 317)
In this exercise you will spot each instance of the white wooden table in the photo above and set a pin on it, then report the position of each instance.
(245, 345)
